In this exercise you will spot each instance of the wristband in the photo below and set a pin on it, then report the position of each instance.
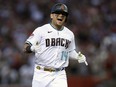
(28, 49)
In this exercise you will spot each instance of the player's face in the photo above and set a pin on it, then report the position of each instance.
(58, 19)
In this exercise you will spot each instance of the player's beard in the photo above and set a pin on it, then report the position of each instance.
(59, 24)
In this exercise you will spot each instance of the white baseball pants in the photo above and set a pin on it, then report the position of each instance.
(43, 78)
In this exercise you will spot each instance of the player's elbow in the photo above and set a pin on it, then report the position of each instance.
(27, 48)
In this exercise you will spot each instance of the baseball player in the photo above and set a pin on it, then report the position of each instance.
(53, 45)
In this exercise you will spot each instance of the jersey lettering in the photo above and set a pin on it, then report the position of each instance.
(62, 42)
(57, 42)
(47, 42)
(52, 41)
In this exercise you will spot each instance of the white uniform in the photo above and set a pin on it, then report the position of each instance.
(52, 51)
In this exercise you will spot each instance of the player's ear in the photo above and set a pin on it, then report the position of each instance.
(51, 16)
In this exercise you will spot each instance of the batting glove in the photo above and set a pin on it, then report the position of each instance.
(81, 58)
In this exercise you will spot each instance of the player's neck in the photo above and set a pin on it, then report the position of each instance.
(56, 26)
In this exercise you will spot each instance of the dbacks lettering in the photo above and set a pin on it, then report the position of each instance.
(57, 42)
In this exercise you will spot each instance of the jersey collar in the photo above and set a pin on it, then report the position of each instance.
(57, 29)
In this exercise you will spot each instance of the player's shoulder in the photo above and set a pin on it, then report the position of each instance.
(68, 30)
(45, 26)
(42, 28)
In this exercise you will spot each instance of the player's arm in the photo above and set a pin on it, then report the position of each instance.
(32, 42)
(78, 56)
(27, 48)
(74, 55)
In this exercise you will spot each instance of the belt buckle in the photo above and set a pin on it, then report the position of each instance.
(51, 70)
(48, 69)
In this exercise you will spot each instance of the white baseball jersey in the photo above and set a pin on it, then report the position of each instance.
(53, 45)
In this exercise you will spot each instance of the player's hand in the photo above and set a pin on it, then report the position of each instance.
(81, 58)
(34, 48)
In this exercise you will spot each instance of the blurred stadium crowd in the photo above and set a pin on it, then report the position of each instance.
(92, 21)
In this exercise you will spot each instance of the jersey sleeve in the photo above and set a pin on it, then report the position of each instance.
(72, 44)
(34, 38)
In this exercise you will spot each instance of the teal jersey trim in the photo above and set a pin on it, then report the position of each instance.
(57, 29)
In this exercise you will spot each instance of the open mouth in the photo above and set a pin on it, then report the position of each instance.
(59, 19)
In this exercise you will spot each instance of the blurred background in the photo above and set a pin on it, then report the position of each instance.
(93, 23)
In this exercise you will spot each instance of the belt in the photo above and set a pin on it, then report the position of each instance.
(50, 69)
